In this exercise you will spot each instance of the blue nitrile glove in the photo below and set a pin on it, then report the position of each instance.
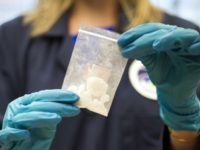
(171, 56)
(30, 121)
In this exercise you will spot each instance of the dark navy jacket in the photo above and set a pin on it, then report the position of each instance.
(32, 64)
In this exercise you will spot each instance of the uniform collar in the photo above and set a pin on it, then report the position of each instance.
(60, 28)
(123, 22)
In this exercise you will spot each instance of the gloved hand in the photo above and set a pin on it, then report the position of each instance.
(30, 121)
(171, 56)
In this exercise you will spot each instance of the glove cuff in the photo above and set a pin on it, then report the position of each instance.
(182, 117)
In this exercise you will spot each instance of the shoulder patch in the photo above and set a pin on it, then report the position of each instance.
(140, 80)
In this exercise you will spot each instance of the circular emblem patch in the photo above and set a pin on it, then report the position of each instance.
(140, 80)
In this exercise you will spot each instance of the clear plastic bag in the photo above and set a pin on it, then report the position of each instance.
(95, 69)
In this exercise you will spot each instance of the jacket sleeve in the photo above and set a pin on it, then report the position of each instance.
(9, 81)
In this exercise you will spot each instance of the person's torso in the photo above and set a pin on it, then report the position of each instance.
(133, 122)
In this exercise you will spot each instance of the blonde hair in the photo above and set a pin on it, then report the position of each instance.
(48, 12)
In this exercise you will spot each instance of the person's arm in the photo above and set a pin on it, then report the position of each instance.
(5, 79)
(184, 140)
(171, 56)
(10, 84)
(30, 121)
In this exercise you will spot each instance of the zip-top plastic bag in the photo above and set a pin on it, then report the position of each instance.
(95, 69)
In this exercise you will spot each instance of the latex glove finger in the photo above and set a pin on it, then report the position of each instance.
(177, 40)
(56, 95)
(59, 96)
(194, 49)
(142, 46)
(35, 120)
(64, 110)
(8, 135)
(134, 33)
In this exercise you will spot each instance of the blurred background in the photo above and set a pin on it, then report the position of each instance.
(187, 9)
(10, 9)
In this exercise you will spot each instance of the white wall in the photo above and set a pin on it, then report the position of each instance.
(188, 9)
(10, 9)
